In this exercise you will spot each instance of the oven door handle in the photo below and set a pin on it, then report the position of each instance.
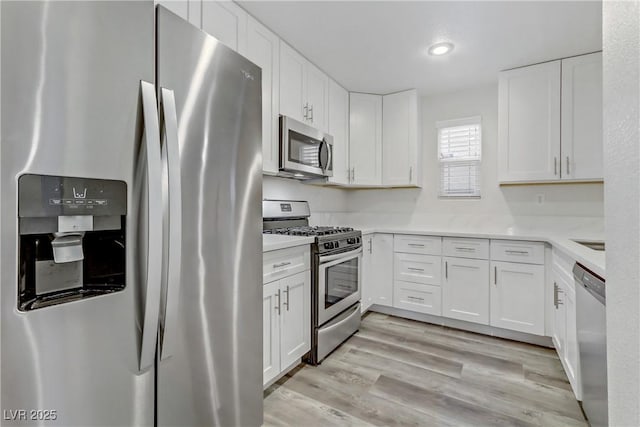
(328, 258)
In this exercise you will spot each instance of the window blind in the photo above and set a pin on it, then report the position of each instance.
(460, 153)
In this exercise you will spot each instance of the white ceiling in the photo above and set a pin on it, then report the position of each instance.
(380, 47)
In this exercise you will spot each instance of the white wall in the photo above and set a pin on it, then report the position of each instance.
(321, 199)
(565, 200)
(621, 59)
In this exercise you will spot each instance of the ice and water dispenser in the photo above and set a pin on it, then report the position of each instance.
(72, 239)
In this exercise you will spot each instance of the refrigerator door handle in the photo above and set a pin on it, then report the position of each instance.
(173, 211)
(151, 146)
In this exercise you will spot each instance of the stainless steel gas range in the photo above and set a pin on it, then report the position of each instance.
(336, 273)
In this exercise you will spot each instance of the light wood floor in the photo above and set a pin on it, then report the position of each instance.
(405, 373)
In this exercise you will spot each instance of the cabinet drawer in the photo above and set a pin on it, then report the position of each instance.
(517, 251)
(426, 245)
(414, 297)
(425, 269)
(285, 262)
(465, 247)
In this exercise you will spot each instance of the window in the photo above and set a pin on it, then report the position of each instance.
(459, 153)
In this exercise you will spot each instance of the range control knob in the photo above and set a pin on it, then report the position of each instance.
(358, 239)
(328, 245)
(351, 240)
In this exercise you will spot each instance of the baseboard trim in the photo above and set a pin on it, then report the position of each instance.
(466, 326)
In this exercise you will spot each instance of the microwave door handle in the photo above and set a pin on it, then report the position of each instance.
(321, 147)
(173, 212)
(151, 149)
(329, 156)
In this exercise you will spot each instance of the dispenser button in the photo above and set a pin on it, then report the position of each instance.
(55, 201)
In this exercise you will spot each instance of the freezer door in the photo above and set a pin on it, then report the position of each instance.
(71, 106)
(214, 373)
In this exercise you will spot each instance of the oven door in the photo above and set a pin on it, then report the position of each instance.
(339, 283)
(304, 150)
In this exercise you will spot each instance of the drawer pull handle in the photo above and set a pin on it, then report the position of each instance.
(415, 269)
(416, 245)
(514, 252)
(278, 304)
(463, 249)
(495, 275)
(410, 298)
(282, 264)
(287, 303)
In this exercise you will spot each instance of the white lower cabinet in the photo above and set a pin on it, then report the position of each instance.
(377, 270)
(286, 327)
(417, 297)
(565, 337)
(270, 331)
(465, 290)
(295, 325)
(517, 297)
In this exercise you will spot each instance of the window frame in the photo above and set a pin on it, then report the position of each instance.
(477, 163)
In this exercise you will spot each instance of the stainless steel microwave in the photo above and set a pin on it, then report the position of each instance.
(305, 152)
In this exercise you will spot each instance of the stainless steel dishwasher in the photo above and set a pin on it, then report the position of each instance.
(592, 344)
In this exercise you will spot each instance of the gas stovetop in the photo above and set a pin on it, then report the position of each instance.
(310, 230)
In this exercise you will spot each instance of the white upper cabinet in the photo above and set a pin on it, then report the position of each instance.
(304, 89)
(365, 139)
(581, 142)
(529, 123)
(227, 22)
(292, 83)
(339, 129)
(400, 147)
(317, 97)
(550, 121)
(263, 48)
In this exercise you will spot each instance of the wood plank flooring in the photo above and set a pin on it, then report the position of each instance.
(398, 372)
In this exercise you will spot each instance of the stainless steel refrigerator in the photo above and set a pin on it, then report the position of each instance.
(130, 168)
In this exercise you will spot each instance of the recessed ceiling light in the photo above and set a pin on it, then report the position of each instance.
(440, 48)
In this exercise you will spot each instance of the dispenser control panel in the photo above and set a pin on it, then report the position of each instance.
(47, 196)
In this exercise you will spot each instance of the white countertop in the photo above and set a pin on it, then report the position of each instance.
(559, 234)
(593, 260)
(272, 242)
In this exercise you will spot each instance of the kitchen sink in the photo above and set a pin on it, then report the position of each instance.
(591, 244)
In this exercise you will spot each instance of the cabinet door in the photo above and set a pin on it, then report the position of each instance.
(529, 123)
(367, 274)
(295, 329)
(263, 48)
(365, 138)
(517, 297)
(227, 22)
(317, 97)
(571, 354)
(400, 138)
(382, 269)
(292, 83)
(270, 331)
(559, 315)
(339, 129)
(465, 289)
(179, 7)
(581, 142)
